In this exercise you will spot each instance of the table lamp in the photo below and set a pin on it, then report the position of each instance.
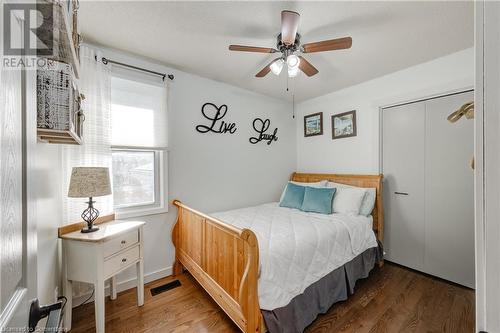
(89, 182)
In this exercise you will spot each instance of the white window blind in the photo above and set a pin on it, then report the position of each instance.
(138, 114)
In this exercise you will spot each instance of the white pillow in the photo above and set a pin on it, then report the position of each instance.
(368, 202)
(321, 183)
(347, 200)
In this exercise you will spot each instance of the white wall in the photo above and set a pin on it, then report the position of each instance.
(44, 205)
(47, 191)
(212, 172)
(360, 154)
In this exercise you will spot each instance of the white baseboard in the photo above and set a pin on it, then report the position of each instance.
(125, 285)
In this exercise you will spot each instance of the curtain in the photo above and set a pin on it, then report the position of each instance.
(95, 84)
(138, 111)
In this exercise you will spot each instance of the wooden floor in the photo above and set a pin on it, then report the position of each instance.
(391, 299)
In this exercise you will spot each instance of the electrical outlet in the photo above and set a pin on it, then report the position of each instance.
(56, 293)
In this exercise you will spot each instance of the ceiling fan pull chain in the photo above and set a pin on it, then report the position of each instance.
(293, 106)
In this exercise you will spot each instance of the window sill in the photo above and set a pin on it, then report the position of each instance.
(126, 214)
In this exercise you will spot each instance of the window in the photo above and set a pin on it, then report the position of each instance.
(139, 140)
(134, 178)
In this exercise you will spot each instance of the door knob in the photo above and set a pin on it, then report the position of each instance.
(401, 193)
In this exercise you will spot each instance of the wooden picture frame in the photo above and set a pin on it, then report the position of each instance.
(317, 131)
(348, 128)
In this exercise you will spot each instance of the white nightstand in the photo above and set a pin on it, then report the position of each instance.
(98, 256)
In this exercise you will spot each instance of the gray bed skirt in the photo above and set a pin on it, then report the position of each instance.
(321, 295)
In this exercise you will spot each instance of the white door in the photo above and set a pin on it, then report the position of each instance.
(403, 160)
(17, 254)
(429, 188)
(449, 191)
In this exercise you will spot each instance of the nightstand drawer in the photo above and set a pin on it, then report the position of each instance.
(116, 263)
(120, 242)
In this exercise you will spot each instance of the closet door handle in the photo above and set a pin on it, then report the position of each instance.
(401, 193)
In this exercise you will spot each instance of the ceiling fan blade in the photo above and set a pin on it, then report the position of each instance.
(328, 45)
(307, 68)
(264, 71)
(244, 48)
(289, 26)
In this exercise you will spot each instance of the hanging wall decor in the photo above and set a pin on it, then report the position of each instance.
(261, 126)
(344, 125)
(313, 124)
(215, 114)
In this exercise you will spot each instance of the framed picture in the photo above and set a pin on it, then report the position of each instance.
(344, 125)
(313, 124)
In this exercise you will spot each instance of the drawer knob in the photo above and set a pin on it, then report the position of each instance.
(123, 242)
(124, 259)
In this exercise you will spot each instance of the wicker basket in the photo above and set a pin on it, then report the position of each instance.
(55, 96)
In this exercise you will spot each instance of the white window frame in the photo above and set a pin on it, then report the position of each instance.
(160, 205)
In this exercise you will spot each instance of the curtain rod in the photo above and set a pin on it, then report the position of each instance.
(163, 75)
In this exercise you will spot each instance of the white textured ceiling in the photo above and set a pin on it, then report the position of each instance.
(194, 37)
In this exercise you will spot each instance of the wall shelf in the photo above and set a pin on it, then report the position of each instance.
(64, 53)
(58, 136)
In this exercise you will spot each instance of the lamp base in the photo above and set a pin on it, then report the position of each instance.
(89, 215)
(87, 230)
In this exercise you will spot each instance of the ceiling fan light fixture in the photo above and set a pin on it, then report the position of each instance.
(293, 71)
(292, 61)
(288, 42)
(277, 66)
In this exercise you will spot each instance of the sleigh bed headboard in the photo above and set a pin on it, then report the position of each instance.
(373, 181)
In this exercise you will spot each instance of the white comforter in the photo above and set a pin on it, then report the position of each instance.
(297, 248)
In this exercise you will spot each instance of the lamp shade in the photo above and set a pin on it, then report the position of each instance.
(89, 182)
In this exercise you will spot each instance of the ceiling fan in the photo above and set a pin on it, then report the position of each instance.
(288, 43)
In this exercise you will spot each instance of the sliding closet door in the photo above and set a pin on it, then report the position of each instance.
(403, 160)
(449, 191)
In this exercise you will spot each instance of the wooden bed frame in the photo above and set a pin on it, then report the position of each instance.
(225, 259)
